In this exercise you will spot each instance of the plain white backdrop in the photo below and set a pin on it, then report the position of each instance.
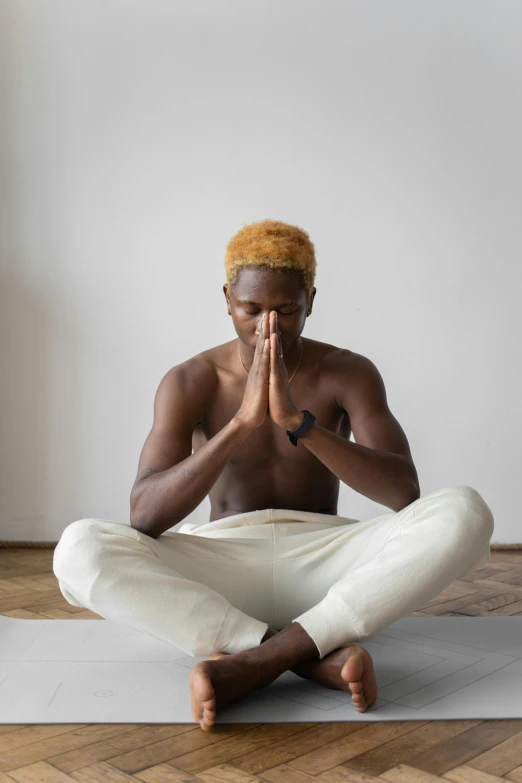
(138, 137)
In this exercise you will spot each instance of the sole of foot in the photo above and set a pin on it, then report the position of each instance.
(203, 699)
(347, 669)
(212, 687)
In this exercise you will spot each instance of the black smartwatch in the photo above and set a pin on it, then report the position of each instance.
(302, 429)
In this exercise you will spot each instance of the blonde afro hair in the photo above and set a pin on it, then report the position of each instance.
(273, 244)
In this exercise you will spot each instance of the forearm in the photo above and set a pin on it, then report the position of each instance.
(167, 497)
(381, 476)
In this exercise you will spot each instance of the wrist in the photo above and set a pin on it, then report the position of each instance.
(294, 422)
(240, 426)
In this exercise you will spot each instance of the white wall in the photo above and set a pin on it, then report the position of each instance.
(138, 137)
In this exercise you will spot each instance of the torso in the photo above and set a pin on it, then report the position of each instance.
(266, 470)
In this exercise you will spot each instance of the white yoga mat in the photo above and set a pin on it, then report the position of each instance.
(100, 671)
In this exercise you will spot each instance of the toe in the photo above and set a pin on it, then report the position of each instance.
(352, 670)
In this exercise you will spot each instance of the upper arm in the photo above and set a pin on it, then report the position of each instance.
(363, 397)
(179, 405)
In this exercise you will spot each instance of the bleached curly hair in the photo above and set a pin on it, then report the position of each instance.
(273, 244)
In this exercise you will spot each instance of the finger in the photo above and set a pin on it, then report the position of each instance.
(278, 338)
(275, 366)
(275, 348)
(269, 334)
(266, 337)
(282, 366)
(265, 360)
(272, 315)
(260, 343)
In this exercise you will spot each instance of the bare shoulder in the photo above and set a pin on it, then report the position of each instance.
(197, 379)
(197, 368)
(201, 373)
(344, 360)
(324, 356)
(338, 361)
(353, 377)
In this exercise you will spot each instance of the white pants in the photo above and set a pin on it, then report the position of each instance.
(220, 585)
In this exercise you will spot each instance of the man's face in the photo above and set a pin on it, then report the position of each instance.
(257, 292)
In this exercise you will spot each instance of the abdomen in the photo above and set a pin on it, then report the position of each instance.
(304, 484)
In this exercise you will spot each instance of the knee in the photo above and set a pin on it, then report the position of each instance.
(78, 541)
(470, 512)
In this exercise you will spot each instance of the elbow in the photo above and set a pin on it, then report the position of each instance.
(137, 520)
(138, 524)
(148, 525)
(139, 515)
(415, 492)
(142, 527)
(409, 493)
(411, 496)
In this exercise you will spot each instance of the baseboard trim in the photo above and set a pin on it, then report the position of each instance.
(52, 545)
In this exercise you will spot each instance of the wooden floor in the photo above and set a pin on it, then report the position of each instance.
(463, 751)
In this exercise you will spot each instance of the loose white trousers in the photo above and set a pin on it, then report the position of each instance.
(219, 586)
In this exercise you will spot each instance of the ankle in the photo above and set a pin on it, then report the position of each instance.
(268, 635)
(283, 650)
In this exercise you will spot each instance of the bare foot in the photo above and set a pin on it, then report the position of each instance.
(213, 685)
(346, 669)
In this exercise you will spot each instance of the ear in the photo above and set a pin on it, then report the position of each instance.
(311, 301)
(225, 291)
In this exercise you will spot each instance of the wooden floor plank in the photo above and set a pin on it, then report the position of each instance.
(465, 774)
(465, 747)
(285, 750)
(405, 774)
(401, 749)
(342, 750)
(129, 738)
(232, 748)
(502, 758)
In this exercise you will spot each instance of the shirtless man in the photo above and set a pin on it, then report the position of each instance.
(233, 405)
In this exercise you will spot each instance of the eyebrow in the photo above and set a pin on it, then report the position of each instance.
(256, 304)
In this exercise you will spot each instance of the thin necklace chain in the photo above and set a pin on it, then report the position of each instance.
(294, 372)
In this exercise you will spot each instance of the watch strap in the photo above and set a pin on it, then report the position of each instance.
(302, 429)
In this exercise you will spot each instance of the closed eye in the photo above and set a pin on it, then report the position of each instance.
(246, 311)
